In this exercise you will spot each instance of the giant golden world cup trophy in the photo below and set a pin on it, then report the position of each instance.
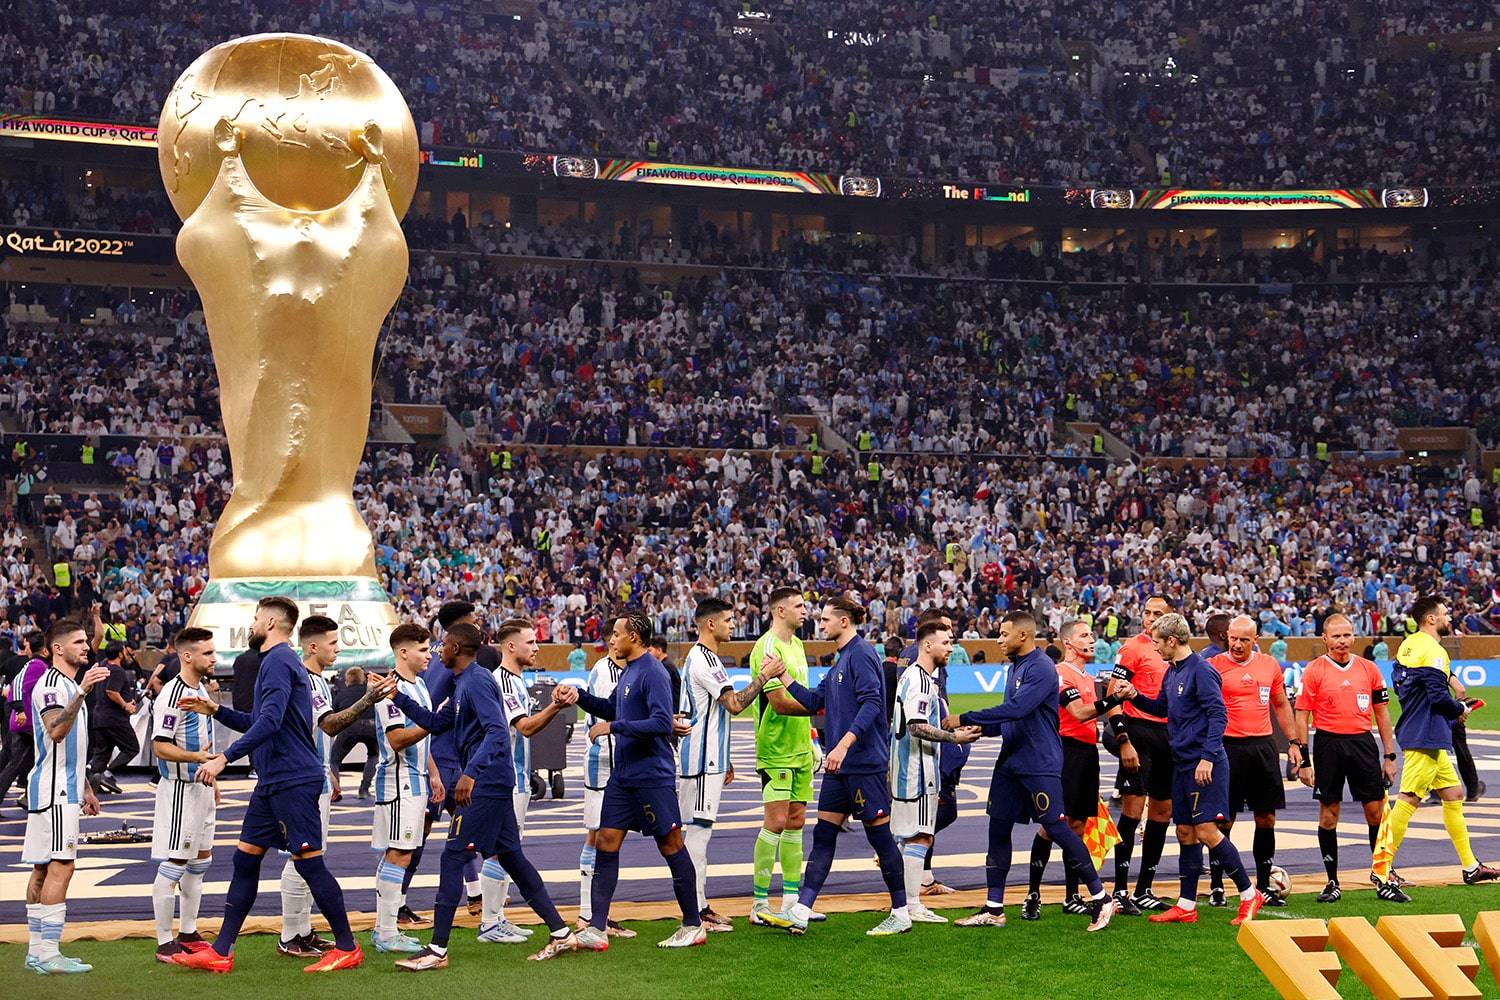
(291, 160)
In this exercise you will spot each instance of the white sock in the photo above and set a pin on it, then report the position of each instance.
(912, 857)
(900, 913)
(471, 889)
(586, 884)
(164, 897)
(1187, 904)
(801, 912)
(34, 929)
(492, 887)
(190, 895)
(53, 916)
(295, 898)
(696, 838)
(387, 898)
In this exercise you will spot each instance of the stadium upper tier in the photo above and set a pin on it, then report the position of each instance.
(1279, 94)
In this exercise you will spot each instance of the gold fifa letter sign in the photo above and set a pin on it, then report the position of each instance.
(291, 159)
(1415, 957)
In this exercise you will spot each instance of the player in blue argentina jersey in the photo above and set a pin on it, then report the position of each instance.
(406, 779)
(855, 783)
(598, 761)
(516, 641)
(641, 793)
(283, 810)
(1027, 782)
(486, 819)
(57, 791)
(182, 836)
(706, 704)
(916, 735)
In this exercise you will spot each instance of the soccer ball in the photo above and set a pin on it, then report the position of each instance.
(1280, 881)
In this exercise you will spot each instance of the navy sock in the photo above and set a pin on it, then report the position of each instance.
(411, 870)
(1190, 868)
(819, 861)
(532, 889)
(1328, 847)
(997, 860)
(1225, 853)
(1123, 850)
(946, 816)
(243, 886)
(329, 897)
(451, 867)
(1075, 855)
(1215, 874)
(684, 885)
(1152, 843)
(606, 877)
(1264, 850)
(891, 864)
(1041, 853)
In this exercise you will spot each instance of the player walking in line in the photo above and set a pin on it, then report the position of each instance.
(1425, 732)
(598, 762)
(57, 792)
(406, 780)
(1192, 701)
(284, 809)
(707, 702)
(916, 735)
(641, 793)
(182, 834)
(1027, 784)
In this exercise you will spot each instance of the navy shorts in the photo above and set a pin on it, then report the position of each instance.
(450, 778)
(1193, 803)
(652, 811)
(287, 818)
(486, 825)
(1022, 798)
(866, 797)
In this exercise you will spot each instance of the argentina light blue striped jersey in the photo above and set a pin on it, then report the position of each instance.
(914, 762)
(515, 703)
(58, 774)
(187, 730)
(705, 750)
(322, 704)
(401, 773)
(601, 754)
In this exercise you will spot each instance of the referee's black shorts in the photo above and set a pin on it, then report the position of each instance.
(1346, 757)
(1255, 779)
(1080, 779)
(1154, 779)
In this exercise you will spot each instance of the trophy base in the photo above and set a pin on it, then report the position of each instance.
(364, 614)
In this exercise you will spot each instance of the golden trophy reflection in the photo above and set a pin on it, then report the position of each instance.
(290, 160)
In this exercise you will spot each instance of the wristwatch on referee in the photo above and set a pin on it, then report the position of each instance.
(1390, 756)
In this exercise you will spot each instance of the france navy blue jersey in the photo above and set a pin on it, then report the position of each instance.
(639, 711)
(1027, 721)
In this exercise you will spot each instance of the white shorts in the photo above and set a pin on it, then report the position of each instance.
(909, 818)
(593, 804)
(399, 824)
(51, 835)
(698, 797)
(186, 818)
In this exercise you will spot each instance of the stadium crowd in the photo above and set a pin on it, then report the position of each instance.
(1287, 94)
(941, 382)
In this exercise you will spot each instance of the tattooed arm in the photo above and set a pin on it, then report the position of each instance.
(336, 722)
(932, 734)
(59, 721)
